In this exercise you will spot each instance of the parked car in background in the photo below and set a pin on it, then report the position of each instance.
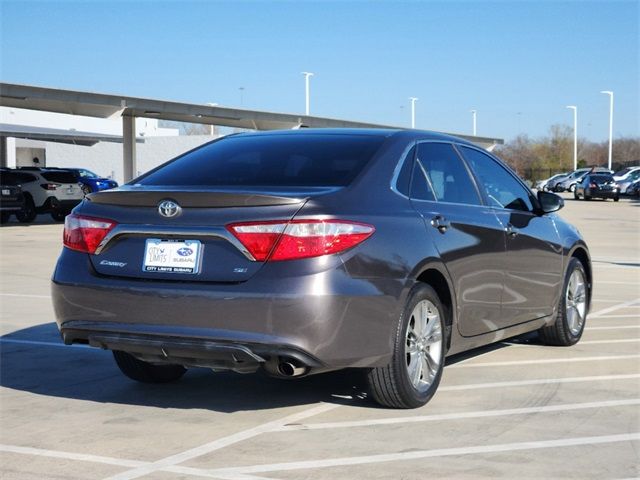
(569, 183)
(597, 185)
(11, 196)
(92, 182)
(634, 189)
(53, 191)
(623, 173)
(544, 184)
(304, 251)
(626, 180)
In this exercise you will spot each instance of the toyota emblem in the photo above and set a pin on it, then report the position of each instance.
(169, 208)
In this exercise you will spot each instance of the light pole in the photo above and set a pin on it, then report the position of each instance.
(474, 113)
(212, 128)
(610, 93)
(413, 111)
(306, 90)
(575, 135)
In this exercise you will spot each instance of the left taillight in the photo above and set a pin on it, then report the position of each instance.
(84, 234)
(297, 239)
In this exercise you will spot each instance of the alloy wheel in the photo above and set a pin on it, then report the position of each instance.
(423, 348)
(576, 302)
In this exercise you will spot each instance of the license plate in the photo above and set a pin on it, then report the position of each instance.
(168, 256)
(6, 192)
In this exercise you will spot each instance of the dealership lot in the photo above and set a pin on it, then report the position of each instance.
(515, 409)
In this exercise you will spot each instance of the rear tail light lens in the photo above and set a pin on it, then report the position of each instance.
(84, 234)
(277, 241)
(593, 185)
(50, 186)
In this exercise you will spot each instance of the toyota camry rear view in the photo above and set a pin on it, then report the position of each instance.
(300, 252)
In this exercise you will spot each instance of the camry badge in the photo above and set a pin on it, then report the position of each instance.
(169, 208)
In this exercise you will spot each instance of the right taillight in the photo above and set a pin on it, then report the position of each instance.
(277, 241)
(84, 234)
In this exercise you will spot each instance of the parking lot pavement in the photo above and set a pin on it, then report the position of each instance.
(516, 409)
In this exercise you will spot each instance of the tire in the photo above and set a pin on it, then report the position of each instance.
(587, 198)
(571, 318)
(572, 187)
(28, 214)
(391, 385)
(616, 199)
(4, 217)
(575, 195)
(86, 189)
(59, 216)
(147, 372)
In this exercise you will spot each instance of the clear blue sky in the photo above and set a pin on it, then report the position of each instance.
(519, 63)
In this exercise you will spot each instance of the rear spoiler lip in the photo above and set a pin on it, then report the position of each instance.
(139, 196)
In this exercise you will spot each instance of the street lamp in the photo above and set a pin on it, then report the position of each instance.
(474, 113)
(413, 111)
(306, 90)
(575, 135)
(610, 93)
(212, 128)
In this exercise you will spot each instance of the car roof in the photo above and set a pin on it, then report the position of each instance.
(407, 134)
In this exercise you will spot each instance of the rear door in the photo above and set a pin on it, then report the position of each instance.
(534, 253)
(466, 233)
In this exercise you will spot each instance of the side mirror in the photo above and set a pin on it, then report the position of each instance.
(550, 202)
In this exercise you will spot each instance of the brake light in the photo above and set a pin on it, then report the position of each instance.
(593, 185)
(277, 241)
(84, 234)
(50, 186)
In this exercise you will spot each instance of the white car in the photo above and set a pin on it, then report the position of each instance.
(625, 181)
(625, 173)
(48, 191)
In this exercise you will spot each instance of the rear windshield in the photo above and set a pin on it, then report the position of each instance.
(60, 177)
(271, 160)
(601, 178)
(9, 178)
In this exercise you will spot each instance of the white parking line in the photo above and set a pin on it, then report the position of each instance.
(543, 381)
(544, 361)
(613, 308)
(27, 295)
(443, 452)
(220, 443)
(459, 415)
(582, 342)
(82, 457)
(615, 327)
(71, 456)
(631, 315)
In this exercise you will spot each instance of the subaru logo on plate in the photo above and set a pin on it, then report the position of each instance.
(169, 208)
(184, 251)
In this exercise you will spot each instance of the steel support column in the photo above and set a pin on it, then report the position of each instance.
(3, 152)
(129, 147)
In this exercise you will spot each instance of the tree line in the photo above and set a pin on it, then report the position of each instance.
(538, 158)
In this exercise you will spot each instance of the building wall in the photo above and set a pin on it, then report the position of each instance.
(105, 158)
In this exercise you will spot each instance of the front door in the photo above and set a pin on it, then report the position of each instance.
(533, 273)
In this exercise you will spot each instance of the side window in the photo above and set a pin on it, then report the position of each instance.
(404, 176)
(503, 190)
(448, 177)
(420, 189)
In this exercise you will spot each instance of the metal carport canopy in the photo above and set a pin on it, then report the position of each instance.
(104, 106)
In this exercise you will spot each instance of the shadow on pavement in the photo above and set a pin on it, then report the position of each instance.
(85, 373)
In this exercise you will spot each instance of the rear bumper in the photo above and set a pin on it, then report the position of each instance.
(602, 194)
(324, 319)
(52, 204)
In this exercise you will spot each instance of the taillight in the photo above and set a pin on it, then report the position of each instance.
(50, 186)
(84, 234)
(593, 185)
(277, 241)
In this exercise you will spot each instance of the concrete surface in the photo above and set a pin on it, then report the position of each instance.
(517, 409)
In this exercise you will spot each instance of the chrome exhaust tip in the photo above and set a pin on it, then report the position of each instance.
(288, 369)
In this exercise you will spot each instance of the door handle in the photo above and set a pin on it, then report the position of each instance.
(441, 223)
(511, 231)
